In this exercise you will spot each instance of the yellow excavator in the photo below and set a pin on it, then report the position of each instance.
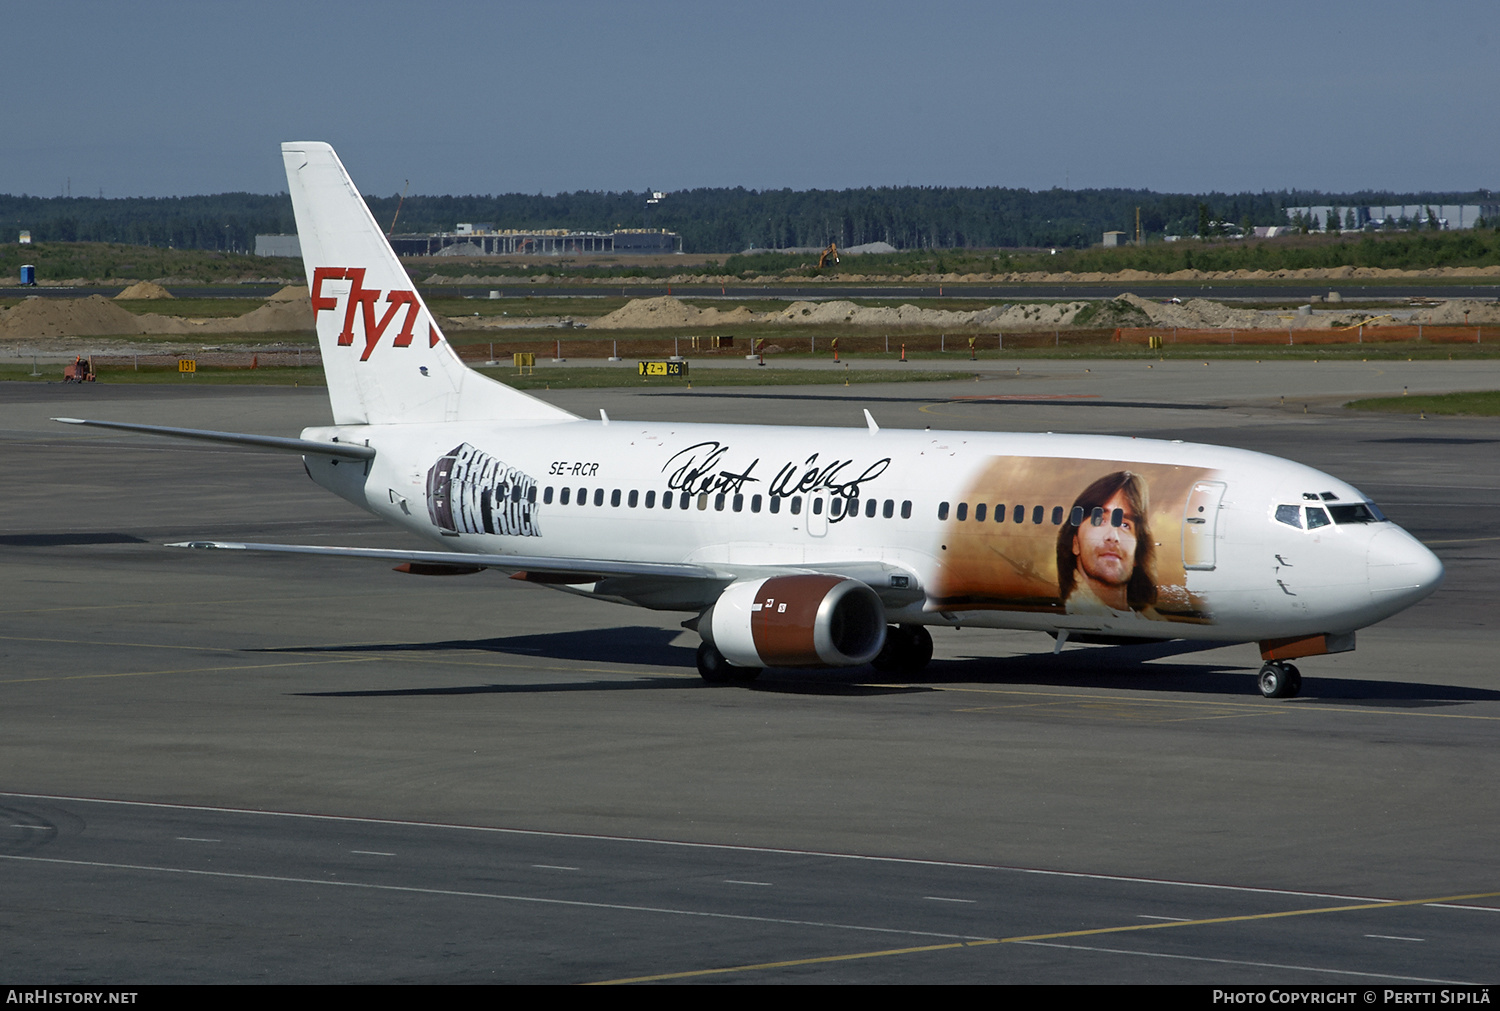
(831, 253)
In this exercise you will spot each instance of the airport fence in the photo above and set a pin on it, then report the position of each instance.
(268, 359)
(1382, 334)
(545, 348)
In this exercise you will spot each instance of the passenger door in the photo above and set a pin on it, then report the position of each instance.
(1200, 523)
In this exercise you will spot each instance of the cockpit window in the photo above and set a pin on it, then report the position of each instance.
(1316, 518)
(1361, 512)
(1290, 515)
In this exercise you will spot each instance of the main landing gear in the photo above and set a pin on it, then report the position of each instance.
(907, 649)
(1279, 680)
(714, 669)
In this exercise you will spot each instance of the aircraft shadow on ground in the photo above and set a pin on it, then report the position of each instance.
(1101, 667)
(66, 540)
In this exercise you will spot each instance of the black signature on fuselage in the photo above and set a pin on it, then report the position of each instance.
(697, 470)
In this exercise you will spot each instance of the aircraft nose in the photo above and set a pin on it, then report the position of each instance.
(1401, 568)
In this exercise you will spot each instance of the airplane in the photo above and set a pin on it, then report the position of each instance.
(813, 547)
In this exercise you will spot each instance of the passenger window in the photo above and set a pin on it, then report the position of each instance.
(719, 502)
(1018, 515)
(614, 498)
(963, 511)
(889, 509)
(650, 500)
(1057, 516)
(1316, 518)
(835, 507)
(599, 496)
(563, 499)
(906, 509)
(755, 503)
(547, 496)
(1077, 518)
(703, 501)
(1000, 512)
(635, 498)
(775, 503)
(739, 503)
(979, 513)
(1117, 518)
(531, 494)
(942, 510)
(817, 507)
(1038, 514)
(583, 496)
(870, 509)
(682, 503)
(796, 504)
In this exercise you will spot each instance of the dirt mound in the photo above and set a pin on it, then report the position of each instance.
(664, 311)
(1459, 311)
(143, 290)
(290, 293)
(273, 317)
(95, 316)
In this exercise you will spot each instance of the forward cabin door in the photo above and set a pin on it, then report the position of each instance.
(1200, 525)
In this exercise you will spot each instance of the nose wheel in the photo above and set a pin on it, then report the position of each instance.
(1280, 680)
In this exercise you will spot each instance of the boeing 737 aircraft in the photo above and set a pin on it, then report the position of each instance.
(815, 547)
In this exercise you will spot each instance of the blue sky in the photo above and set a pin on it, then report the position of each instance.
(163, 99)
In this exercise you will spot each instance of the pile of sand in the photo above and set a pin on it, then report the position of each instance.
(290, 293)
(143, 290)
(273, 317)
(1460, 311)
(664, 312)
(95, 316)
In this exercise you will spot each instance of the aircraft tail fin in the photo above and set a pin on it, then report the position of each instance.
(384, 355)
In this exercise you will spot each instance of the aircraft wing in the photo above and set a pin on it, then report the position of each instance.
(586, 569)
(665, 585)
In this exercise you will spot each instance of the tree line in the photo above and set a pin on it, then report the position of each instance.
(720, 220)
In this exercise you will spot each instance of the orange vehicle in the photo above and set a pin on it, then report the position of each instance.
(81, 371)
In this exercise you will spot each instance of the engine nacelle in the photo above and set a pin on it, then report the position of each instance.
(796, 621)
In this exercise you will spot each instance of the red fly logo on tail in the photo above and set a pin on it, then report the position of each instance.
(363, 300)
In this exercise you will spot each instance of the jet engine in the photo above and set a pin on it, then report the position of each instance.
(796, 621)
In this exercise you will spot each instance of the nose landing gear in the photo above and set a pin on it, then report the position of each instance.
(1279, 680)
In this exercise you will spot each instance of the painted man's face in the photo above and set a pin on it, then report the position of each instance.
(1106, 552)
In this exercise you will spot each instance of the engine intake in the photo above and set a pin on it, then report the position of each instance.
(796, 621)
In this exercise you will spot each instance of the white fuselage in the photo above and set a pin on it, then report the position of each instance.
(1228, 560)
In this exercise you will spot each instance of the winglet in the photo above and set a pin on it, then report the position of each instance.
(870, 420)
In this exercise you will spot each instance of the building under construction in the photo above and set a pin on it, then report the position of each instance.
(484, 240)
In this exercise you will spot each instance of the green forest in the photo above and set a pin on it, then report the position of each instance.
(721, 221)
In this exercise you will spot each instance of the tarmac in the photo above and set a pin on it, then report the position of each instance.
(219, 768)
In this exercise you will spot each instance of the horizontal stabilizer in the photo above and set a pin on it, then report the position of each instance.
(345, 451)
